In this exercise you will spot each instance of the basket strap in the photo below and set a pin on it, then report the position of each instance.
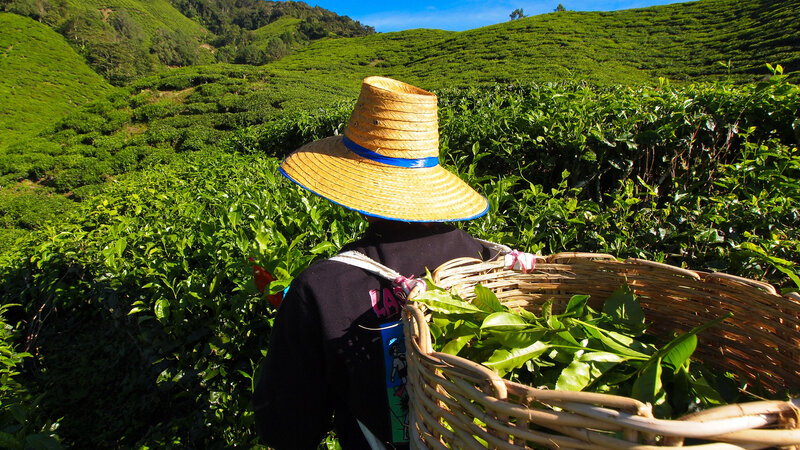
(363, 261)
(372, 440)
(501, 249)
(514, 259)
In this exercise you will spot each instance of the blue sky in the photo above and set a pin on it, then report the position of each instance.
(460, 15)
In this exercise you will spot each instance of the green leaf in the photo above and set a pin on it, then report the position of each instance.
(707, 394)
(503, 360)
(567, 337)
(575, 377)
(504, 321)
(648, 383)
(527, 315)
(576, 305)
(680, 341)
(677, 356)
(547, 310)
(323, 247)
(486, 300)
(790, 273)
(120, 245)
(263, 241)
(604, 357)
(623, 307)
(444, 302)
(620, 343)
(295, 242)
(455, 345)
(517, 339)
(161, 309)
(583, 371)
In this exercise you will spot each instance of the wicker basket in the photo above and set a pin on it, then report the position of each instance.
(456, 403)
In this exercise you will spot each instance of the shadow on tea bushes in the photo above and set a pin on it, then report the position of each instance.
(145, 322)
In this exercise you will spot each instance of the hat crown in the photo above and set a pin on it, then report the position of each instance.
(395, 119)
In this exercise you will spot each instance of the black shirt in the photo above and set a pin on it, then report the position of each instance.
(336, 347)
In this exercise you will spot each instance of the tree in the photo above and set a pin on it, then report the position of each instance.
(174, 48)
(517, 14)
(560, 8)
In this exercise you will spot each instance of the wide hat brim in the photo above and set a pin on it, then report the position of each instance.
(431, 194)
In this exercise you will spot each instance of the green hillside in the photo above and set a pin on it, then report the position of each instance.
(41, 77)
(124, 40)
(684, 42)
(277, 39)
(152, 15)
(277, 28)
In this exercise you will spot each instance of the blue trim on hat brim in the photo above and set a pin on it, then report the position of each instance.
(488, 206)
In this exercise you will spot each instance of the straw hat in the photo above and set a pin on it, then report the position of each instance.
(387, 162)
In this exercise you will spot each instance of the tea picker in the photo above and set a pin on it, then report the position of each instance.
(337, 349)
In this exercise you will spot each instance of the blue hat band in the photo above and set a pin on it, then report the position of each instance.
(419, 163)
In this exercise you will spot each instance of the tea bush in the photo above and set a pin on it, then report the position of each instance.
(605, 135)
(21, 424)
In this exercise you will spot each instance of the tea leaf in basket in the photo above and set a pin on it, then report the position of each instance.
(486, 300)
(576, 305)
(583, 371)
(679, 354)
(519, 339)
(704, 391)
(455, 345)
(569, 337)
(575, 377)
(624, 309)
(648, 383)
(505, 360)
(504, 321)
(680, 395)
(679, 349)
(444, 302)
(616, 342)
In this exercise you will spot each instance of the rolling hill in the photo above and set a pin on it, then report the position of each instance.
(703, 40)
(42, 79)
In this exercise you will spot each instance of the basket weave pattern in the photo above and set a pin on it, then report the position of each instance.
(456, 403)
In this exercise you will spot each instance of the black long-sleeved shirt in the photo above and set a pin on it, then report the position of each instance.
(337, 349)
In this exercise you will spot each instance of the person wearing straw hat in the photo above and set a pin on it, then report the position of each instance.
(336, 354)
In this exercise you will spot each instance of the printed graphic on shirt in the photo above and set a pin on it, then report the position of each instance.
(387, 302)
(396, 375)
